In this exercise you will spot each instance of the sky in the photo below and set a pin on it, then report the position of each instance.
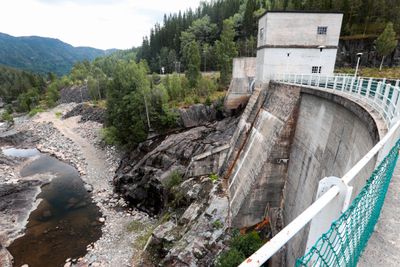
(101, 24)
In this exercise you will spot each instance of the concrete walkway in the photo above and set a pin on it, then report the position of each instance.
(383, 248)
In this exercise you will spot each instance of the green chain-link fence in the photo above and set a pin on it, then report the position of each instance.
(343, 244)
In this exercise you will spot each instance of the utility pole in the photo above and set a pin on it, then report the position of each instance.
(147, 113)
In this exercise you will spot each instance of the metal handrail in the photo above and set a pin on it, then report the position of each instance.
(385, 99)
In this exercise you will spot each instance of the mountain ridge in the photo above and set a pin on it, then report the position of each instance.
(44, 54)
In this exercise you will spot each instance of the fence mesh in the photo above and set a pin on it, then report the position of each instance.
(343, 244)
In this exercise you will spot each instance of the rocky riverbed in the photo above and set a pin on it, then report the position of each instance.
(79, 145)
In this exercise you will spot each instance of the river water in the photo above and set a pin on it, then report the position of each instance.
(64, 223)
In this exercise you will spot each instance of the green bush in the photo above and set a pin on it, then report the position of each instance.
(241, 247)
(35, 111)
(248, 243)
(230, 258)
(174, 179)
(109, 135)
(7, 117)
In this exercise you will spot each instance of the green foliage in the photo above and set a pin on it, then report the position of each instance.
(109, 135)
(174, 179)
(226, 51)
(230, 258)
(214, 177)
(217, 224)
(58, 115)
(241, 247)
(126, 111)
(52, 94)
(386, 42)
(193, 64)
(27, 101)
(206, 86)
(35, 111)
(14, 82)
(7, 117)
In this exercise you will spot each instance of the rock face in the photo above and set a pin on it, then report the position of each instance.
(77, 94)
(143, 173)
(200, 231)
(87, 113)
(196, 115)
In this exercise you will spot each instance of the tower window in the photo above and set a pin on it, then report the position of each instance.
(322, 30)
(316, 69)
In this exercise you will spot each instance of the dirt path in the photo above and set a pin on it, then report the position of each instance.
(115, 247)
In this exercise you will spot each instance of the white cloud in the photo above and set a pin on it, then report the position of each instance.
(97, 23)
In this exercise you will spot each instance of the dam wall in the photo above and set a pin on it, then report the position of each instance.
(298, 137)
(332, 134)
(243, 74)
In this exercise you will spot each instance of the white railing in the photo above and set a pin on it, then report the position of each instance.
(334, 193)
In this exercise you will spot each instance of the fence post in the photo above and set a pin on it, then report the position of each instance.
(323, 220)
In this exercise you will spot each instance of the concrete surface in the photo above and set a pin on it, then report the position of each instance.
(243, 73)
(383, 248)
(329, 140)
(288, 43)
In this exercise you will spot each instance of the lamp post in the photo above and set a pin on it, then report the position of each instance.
(358, 63)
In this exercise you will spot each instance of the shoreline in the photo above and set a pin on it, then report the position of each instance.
(96, 166)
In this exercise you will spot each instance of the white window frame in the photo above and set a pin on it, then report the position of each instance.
(322, 30)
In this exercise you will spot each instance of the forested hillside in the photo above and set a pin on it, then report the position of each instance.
(43, 55)
(164, 47)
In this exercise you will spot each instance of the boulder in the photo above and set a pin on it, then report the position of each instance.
(197, 115)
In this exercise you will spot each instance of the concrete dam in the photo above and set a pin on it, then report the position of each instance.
(288, 139)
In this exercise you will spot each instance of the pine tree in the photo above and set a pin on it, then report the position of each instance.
(386, 42)
(193, 63)
(226, 51)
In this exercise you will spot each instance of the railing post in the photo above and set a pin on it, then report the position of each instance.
(360, 86)
(323, 220)
(351, 84)
(334, 83)
(369, 87)
(344, 81)
(326, 82)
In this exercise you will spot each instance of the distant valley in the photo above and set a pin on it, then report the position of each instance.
(43, 55)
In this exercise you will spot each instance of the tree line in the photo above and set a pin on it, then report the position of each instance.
(166, 44)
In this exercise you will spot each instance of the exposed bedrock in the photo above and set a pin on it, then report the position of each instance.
(142, 173)
(87, 112)
(77, 94)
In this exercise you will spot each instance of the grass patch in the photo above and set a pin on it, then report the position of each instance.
(35, 111)
(141, 240)
(136, 226)
(213, 177)
(217, 224)
(58, 114)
